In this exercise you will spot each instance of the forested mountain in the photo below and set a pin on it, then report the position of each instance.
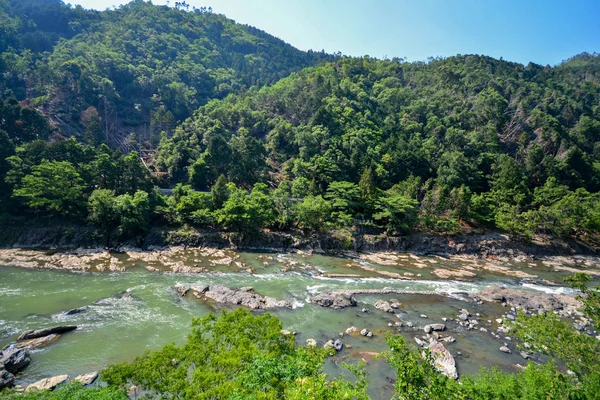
(467, 138)
(440, 146)
(139, 68)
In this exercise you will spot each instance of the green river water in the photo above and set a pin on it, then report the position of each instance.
(116, 327)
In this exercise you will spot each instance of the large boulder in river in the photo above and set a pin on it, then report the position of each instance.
(528, 300)
(86, 379)
(37, 342)
(442, 359)
(243, 297)
(47, 383)
(6, 378)
(14, 359)
(46, 331)
(334, 300)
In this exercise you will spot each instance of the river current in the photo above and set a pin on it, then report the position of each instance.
(135, 310)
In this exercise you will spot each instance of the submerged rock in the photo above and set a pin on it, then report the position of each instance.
(14, 359)
(47, 383)
(75, 311)
(334, 300)
(443, 360)
(31, 334)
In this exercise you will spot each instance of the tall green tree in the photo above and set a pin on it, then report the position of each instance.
(54, 187)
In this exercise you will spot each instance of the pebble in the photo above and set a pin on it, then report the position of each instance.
(423, 316)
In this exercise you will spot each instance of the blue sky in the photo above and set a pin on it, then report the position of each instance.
(545, 32)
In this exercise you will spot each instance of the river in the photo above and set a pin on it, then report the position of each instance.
(135, 309)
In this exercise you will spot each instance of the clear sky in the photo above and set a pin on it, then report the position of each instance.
(542, 31)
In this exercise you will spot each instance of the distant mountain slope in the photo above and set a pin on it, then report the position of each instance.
(141, 67)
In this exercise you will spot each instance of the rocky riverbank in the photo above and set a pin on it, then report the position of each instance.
(487, 246)
(386, 265)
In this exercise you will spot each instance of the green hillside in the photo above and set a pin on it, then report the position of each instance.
(140, 68)
(463, 139)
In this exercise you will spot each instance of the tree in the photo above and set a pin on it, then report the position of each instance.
(192, 206)
(368, 188)
(219, 192)
(53, 186)
(133, 212)
(312, 213)
(396, 212)
(103, 211)
(7, 149)
(245, 212)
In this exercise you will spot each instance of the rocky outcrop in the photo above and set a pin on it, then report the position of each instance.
(6, 378)
(32, 334)
(528, 300)
(37, 342)
(14, 359)
(335, 300)
(47, 383)
(442, 359)
(243, 297)
(86, 379)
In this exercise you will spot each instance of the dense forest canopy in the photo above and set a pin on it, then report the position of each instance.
(140, 67)
(466, 138)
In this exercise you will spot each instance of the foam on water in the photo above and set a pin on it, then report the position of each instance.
(548, 289)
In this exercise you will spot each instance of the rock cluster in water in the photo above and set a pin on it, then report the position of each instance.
(17, 356)
(334, 300)
(244, 296)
